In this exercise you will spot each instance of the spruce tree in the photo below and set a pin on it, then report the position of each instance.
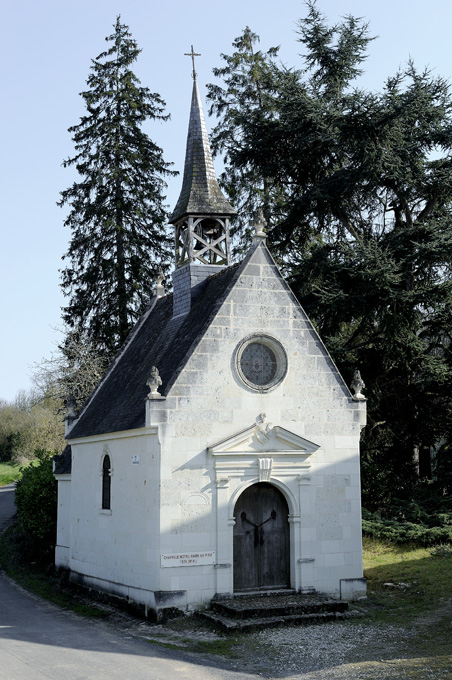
(116, 208)
(247, 75)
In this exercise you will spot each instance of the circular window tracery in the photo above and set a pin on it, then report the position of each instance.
(261, 362)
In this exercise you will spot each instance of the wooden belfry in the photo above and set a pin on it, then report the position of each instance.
(202, 213)
(202, 240)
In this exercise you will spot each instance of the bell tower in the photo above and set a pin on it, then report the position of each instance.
(202, 213)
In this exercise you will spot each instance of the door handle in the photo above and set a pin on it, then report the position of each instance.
(258, 528)
(244, 518)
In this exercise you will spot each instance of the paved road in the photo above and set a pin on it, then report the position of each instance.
(41, 642)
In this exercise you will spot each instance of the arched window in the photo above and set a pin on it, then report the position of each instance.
(106, 483)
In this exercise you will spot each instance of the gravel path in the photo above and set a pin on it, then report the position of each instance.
(326, 648)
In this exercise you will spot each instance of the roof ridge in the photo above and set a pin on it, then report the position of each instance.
(225, 269)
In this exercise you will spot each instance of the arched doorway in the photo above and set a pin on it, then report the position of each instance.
(261, 539)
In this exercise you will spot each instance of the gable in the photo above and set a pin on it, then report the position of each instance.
(260, 310)
(263, 438)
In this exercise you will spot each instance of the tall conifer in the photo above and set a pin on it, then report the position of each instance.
(117, 214)
(247, 75)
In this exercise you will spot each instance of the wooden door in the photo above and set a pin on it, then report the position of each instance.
(261, 539)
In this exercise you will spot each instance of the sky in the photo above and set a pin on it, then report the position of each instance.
(45, 56)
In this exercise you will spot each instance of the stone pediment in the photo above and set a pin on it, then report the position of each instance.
(263, 438)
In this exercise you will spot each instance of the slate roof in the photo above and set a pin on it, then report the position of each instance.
(158, 340)
(201, 193)
(63, 462)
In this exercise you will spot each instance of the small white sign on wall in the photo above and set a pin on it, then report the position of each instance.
(135, 460)
(187, 559)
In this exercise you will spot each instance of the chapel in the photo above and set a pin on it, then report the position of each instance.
(220, 452)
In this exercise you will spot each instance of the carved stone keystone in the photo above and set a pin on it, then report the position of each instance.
(265, 469)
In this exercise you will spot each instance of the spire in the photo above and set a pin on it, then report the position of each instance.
(200, 194)
(201, 216)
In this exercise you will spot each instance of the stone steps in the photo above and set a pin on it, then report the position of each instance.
(255, 611)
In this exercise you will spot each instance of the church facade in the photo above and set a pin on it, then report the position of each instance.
(220, 453)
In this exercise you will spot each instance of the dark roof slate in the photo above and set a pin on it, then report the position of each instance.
(62, 464)
(201, 193)
(158, 340)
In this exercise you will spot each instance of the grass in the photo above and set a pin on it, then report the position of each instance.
(419, 599)
(226, 647)
(9, 473)
(183, 633)
(12, 472)
(421, 578)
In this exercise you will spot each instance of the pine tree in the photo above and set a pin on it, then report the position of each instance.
(365, 233)
(117, 214)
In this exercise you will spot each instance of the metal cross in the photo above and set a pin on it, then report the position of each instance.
(192, 54)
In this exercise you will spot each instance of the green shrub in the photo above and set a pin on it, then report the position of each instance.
(442, 551)
(36, 501)
(402, 531)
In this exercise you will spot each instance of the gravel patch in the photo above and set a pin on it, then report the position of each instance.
(331, 651)
(329, 646)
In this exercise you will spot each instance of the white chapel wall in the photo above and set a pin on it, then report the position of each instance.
(120, 545)
(208, 402)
